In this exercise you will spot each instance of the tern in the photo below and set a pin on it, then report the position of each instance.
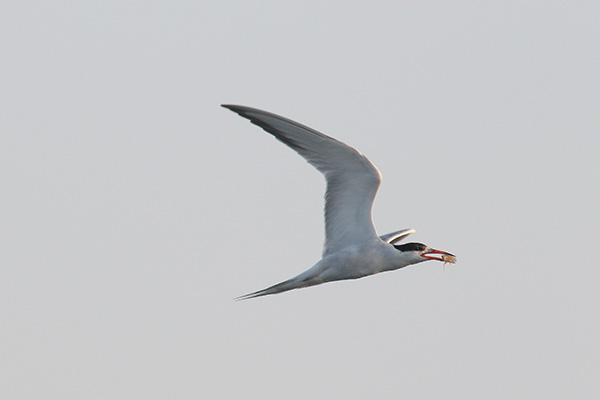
(352, 248)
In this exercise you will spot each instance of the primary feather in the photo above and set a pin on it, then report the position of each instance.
(352, 180)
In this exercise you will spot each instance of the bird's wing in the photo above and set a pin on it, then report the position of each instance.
(352, 180)
(397, 236)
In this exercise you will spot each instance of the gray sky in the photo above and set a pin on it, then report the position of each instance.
(134, 208)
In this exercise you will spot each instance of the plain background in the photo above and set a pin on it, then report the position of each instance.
(134, 208)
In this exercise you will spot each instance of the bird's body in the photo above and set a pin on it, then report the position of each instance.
(352, 248)
(352, 262)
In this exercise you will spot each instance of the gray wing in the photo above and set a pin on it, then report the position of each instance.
(397, 236)
(352, 180)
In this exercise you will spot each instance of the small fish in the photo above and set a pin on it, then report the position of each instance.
(448, 259)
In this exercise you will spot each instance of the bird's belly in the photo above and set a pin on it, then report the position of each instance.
(350, 265)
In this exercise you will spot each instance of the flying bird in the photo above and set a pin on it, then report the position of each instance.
(352, 247)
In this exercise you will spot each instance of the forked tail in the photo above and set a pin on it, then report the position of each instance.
(294, 283)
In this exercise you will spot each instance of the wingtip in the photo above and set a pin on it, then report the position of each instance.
(233, 107)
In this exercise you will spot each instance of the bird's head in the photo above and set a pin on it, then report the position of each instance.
(418, 252)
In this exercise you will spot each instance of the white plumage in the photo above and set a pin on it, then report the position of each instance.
(352, 248)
